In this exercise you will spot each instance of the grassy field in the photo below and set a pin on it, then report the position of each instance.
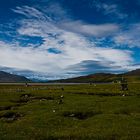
(70, 112)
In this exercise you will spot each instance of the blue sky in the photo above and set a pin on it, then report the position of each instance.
(52, 39)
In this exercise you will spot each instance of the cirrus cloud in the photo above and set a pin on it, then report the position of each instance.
(69, 38)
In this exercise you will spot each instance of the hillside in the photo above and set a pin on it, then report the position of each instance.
(11, 78)
(133, 73)
(97, 78)
(132, 76)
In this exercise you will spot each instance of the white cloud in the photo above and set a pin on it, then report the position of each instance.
(55, 11)
(30, 12)
(110, 9)
(89, 29)
(40, 60)
(129, 37)
(74, 47)
(65, 24)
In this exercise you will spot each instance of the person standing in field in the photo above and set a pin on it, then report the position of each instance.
(26, 84)
(124, 84)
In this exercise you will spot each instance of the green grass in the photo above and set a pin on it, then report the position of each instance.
(87, 112)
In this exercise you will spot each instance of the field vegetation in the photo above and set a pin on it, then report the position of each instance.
(70, 112)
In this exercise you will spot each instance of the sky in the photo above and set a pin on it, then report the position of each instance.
(54, 39)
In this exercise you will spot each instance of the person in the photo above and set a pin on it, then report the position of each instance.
(62, 89)
(61, 99)
(90, 83)
(26, 85)
(124, 85)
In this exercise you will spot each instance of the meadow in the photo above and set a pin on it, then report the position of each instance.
(70, 112)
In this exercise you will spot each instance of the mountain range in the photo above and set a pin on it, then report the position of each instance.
(12, 78)
(131, 76)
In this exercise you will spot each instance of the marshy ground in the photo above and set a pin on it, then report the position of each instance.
(69, 112)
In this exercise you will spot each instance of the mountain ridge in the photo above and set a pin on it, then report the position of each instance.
(12, 78)
(133, 75)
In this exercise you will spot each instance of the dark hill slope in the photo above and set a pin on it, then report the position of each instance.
(133, 73)
(98, 78)
(11, 78)
(132, 76)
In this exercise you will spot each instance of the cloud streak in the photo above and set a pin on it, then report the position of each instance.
(89, 29)
(69, 38)
(110, 9)
(129, 37)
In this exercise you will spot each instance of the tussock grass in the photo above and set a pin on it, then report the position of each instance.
(87, 112)
(81, 115)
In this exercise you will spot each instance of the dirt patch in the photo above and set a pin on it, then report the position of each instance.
(25, 98)
(81, 115)
(5, 108)
(42, 98)
(26, 95)
(124, 111)
(108, 94)
(101, 94)
(11, 116)
(11, 107)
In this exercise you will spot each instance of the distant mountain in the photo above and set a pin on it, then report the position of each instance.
(98, 78)
(133, 73)
(131, 76)
(11, 78)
